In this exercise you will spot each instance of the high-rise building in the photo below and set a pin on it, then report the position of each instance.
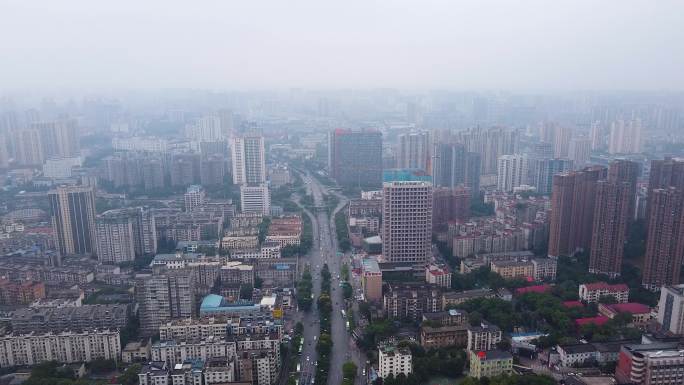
(4, 151)
(611, 216)
(625, 137)
(665, 239)
(28, 147)
(454, 166)
(355, 157)
(414, 151)
(543, 171)
(449, 165)
(580, 151)
(185, 169)
(163, 297)
(596, 136)
(193, 197)
(212, 170)
(124, 234)
(115, 238)
(512, 172)
(407, 221)
(60, 139)
(449, 204)
(490, 143)
(671, 309)
(205, 129)
(572, 210)
(622, 170)
(227, 122)
(249, 159)
(255, 199)
(664, 173)
(72, 209)
(561, 141)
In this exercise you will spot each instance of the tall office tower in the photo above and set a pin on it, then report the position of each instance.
(454, 166)
(609, 231)
(561, 141)
(355, 157)
(625, 137)
(449, 165)
(512, 172)
(543, 171)
(449, 204)
(193, 197)
(542, 150)
(115, 237)
(665, 239)
(596, 136)
(4, 151)
(622, 170)
(205, 129)
(28, 147)
(72, 209)
(580, 151)
(407, 221)
(212, 170)
(185, 169)
(414, 151)
(572, 210)
(664, 173)
(60, 139)
(490, 144)
(162, 298)
(153, 174)
(227, 122)
(249, 159)
(473, 169)
(255, 199)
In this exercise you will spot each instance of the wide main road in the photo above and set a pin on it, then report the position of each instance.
(343, 347)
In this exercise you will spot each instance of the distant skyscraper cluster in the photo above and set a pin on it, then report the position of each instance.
(625, 137)
(355, 157)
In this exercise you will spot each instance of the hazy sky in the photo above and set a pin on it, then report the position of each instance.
(252, 44)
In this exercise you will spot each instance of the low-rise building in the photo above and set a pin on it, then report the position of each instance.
(173, 352)
(65, 347)
(457, 298)
(58, 319)
(592, 292)
(578, 354)
(410, 301)
(483, 337)
(394, 361)
(443, 336)
(641, 314)
(371, 280)
(136, 351)
(438, 275)
(652, 364)
(490, 363)
(513, 269)
(544, 268)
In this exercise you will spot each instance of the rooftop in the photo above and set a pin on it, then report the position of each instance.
(631, 307)
(598, 321)
(606, 286)
(494, 355)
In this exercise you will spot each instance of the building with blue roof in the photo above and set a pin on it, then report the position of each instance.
(405, 175)
(216, 305)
